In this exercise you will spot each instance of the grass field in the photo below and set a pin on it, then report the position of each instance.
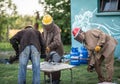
(9, 72)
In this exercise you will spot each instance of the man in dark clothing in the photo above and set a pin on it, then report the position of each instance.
(28, 44)
(52, 37)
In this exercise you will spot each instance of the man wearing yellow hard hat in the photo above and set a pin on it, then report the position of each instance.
(52, 37)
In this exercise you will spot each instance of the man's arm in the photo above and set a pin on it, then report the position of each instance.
(15, 41)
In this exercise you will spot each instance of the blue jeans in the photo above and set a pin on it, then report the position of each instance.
(29, 52)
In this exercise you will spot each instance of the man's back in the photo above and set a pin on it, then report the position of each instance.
(28, 36)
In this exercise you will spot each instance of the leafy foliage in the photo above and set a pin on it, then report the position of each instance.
(22, 21)
(9, 19)
(8, 9)
(60, 10)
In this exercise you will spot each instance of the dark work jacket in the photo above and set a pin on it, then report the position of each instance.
(52, 37)
(27, 37)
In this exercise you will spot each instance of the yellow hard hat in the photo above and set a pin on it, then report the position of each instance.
(47, 19)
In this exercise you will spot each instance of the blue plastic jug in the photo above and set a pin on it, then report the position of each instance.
(83, 55)
(74, 56)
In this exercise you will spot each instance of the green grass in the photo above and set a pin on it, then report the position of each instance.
(67, 48)
(5, 46)
(9, 74)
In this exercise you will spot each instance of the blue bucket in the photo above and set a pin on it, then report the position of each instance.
(74, 57)
(83, 55)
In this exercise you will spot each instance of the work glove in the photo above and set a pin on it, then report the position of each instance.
(47, 50)
(90, 68)
(97, 48)
(14, 58)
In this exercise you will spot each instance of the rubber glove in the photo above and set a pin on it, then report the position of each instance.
(97, 48)
(47, 50)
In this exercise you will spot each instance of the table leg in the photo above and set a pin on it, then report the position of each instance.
(71, 76)
(44, 78)
(51, 78)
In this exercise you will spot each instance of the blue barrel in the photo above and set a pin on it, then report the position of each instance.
(83, 55)
(74, 56)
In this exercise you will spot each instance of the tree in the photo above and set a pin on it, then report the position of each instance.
(22, 21)
(60, 10)
(7, 12)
